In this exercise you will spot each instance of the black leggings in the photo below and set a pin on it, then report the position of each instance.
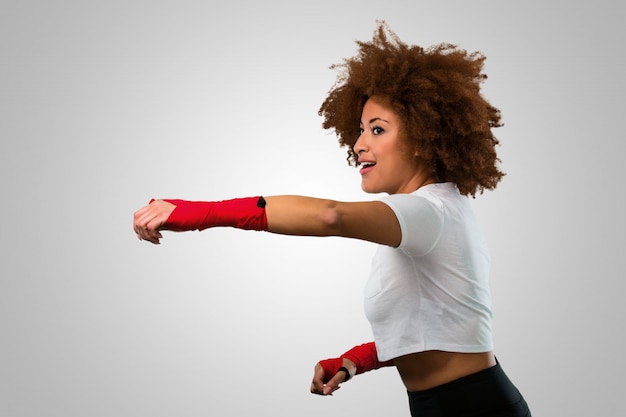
(487, 393)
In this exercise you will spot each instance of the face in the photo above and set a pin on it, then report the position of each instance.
(385, 164)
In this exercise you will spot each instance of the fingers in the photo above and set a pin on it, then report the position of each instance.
(144, 226)
(319, 387)
(334, 383)
(149, 220)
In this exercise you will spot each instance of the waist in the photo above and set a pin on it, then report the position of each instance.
(486, 393)
(429, 369)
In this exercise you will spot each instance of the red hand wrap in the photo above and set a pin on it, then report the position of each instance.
(242, 213)
(365, 358)
(330, 367)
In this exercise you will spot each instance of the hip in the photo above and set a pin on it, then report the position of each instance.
(487, 393)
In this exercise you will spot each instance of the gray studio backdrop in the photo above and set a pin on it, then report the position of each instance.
(104, 105)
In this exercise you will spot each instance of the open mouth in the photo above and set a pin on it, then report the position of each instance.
(366, 167)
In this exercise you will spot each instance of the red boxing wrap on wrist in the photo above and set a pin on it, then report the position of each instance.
(330, 367)
(365, 358)
(243, 213)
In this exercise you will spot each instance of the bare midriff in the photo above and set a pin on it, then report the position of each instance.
(424, 370)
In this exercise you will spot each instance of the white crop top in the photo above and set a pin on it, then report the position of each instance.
(432, 292)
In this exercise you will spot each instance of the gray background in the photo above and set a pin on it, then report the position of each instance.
(104, 105)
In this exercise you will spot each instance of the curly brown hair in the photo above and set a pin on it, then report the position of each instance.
(436, 94)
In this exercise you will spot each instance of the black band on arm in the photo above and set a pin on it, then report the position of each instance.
(348, 376)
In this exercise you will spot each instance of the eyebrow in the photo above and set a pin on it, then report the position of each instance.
(375, 119)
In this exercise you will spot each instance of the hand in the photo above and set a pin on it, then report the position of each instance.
(327, 377)
(149, 221)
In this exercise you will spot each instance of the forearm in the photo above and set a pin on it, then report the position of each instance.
(365, 358)
(302, 216)
(359, 359)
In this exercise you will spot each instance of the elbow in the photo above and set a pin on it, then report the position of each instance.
(332, 219)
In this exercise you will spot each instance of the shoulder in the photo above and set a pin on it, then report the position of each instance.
(433, 196)
(421, 214)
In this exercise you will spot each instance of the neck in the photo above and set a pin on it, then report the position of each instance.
(419, 180)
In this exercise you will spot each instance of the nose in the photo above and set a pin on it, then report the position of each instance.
(360, 144)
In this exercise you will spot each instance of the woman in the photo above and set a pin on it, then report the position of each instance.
(415, 123)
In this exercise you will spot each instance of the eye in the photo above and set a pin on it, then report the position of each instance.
(377, 130)
(361, 131)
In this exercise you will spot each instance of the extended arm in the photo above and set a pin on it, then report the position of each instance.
(290, 215)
